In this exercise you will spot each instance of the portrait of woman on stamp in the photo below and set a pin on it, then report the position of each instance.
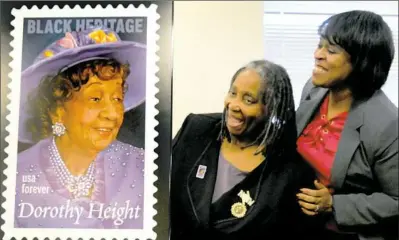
(235, 174)
(73, 99)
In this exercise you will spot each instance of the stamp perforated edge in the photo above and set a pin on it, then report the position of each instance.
(150, 133)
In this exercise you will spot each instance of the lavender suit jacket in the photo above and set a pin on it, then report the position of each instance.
(117, 199)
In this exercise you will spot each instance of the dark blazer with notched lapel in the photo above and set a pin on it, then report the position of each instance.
(272, 185)
(365, 170)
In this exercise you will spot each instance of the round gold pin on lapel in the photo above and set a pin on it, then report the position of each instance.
(238, 210)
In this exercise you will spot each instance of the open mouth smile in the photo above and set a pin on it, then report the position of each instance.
(234, 122)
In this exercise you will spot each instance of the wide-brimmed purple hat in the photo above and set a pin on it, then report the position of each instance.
(78, 47)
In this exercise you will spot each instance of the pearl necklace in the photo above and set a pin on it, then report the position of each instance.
(80, 185)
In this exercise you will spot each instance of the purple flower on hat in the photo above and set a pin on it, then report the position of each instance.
(82, 39)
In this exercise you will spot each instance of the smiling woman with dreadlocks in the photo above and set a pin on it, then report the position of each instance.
(235, 174)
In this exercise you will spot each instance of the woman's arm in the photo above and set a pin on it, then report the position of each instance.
(298, 224)
(361, 209)
(176, 226)
(181, 132)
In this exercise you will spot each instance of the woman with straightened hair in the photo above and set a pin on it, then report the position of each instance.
(235, 174)
(348, 131)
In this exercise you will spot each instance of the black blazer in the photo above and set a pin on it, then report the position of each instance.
(272, 185)
(365, 170)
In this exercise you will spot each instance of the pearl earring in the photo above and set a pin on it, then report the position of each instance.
(58, 129)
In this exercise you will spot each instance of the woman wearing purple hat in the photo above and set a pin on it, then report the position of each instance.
(73, 99)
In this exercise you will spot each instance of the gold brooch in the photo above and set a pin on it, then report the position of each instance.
(239, 209)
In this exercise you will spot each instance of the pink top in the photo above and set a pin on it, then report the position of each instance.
(318, 142)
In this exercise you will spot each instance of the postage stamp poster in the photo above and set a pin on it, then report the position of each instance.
(75, 72)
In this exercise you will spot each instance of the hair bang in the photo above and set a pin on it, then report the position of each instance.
(331, 30)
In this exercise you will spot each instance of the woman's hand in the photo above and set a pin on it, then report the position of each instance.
(313, 201)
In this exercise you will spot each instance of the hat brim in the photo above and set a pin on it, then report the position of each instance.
(124, 52)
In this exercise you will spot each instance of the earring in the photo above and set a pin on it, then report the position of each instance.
(58, 129)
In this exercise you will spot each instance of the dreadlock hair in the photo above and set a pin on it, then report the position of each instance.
(277, 98)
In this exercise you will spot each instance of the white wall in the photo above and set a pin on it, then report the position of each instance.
(211, 41)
